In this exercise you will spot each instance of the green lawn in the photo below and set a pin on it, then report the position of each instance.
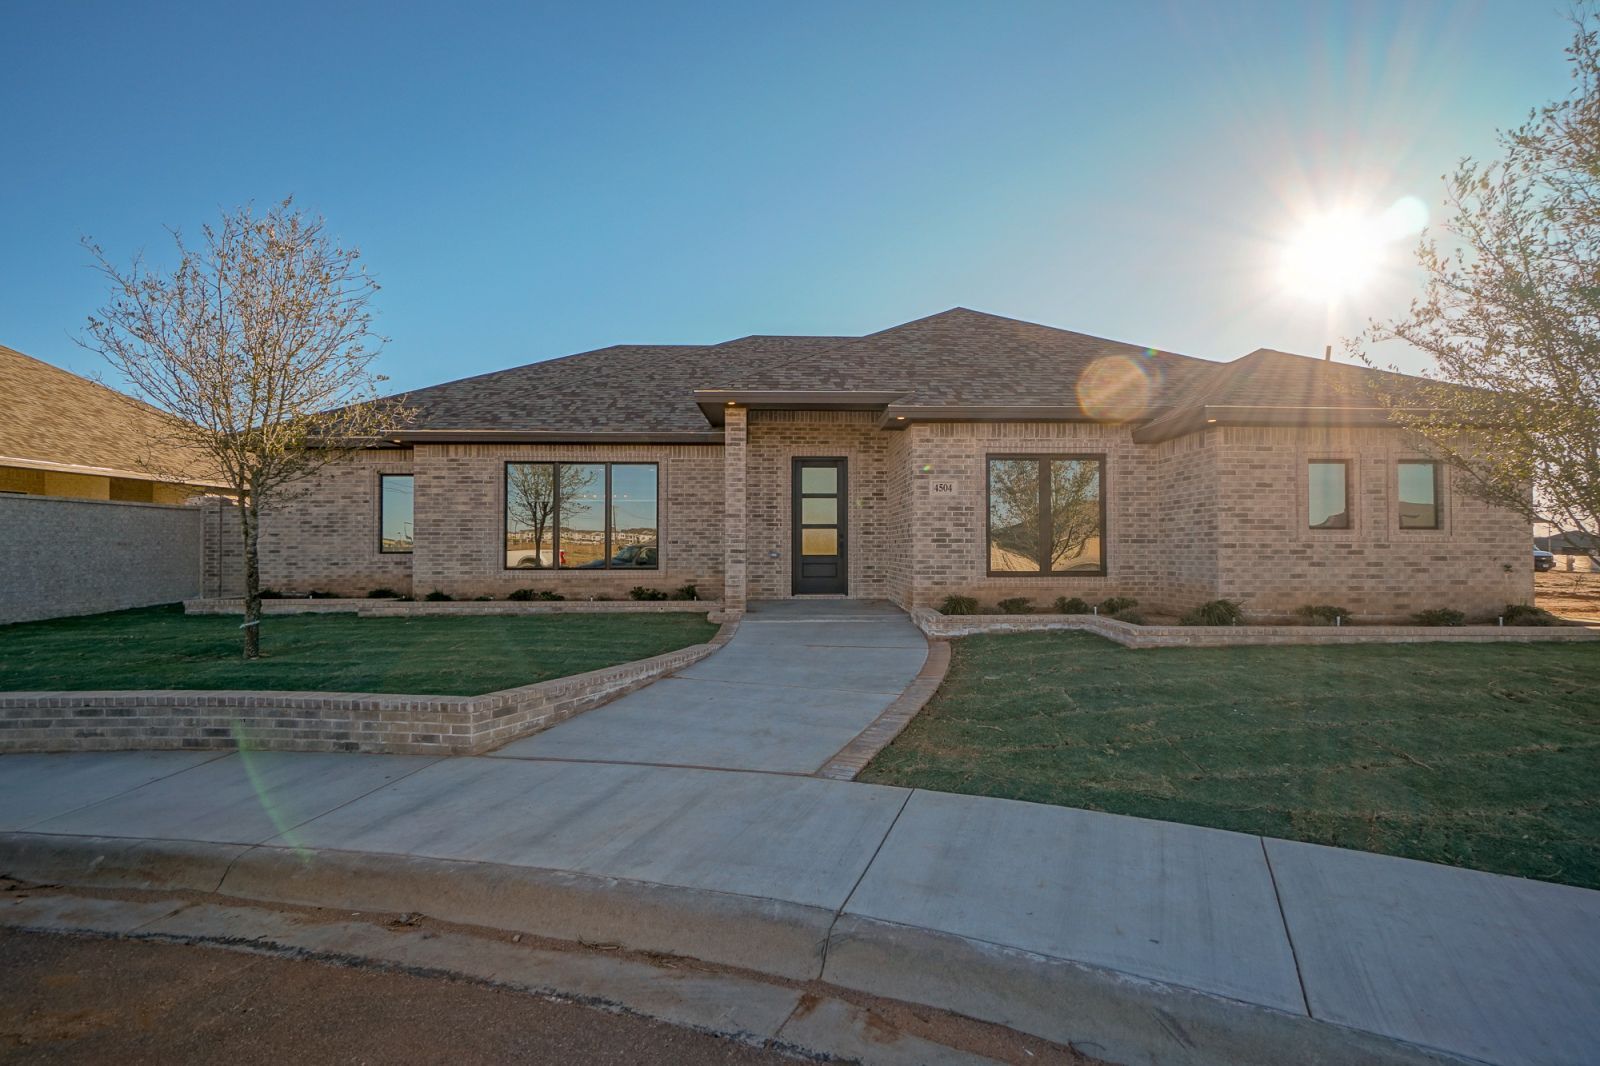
(1482, 755)
(161, 647)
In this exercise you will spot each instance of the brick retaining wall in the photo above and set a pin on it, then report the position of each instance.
(366, 608)
(319, 721)
(935, 624)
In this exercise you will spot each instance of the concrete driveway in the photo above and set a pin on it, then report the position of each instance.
(798, 681)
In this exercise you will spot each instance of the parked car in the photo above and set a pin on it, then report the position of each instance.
(632, 555)
(1543, 561)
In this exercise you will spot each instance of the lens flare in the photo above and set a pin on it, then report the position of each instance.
(1114, 389)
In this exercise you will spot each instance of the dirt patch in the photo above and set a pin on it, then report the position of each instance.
(1571, 595)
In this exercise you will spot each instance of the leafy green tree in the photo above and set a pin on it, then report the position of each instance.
(1511, 315)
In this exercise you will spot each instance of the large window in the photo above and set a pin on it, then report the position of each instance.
(1047, 514)
(1328, 496)
(395, 512)
(1419, 495)
(581, 516)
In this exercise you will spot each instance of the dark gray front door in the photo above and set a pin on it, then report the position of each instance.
(820, 505)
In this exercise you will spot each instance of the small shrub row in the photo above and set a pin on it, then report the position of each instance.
(1214, 613)
(1120, 607)
(1322, 614)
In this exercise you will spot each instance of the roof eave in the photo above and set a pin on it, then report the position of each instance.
(542, 436)
(714, 402)
(1192, 419)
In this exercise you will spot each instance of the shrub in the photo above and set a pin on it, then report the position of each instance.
(1115, 605)
(1130, 616)
(639, 592)
(1016, 605)
(1439, 616)
(321, 594)
(382, 594)
(1322, 614)
(958, 605)
(436, 596)
(1071, 605)
(270, 594)
(687, 592)
(531, 594)
(1214, 613)
(520, 594)
(1526, 614)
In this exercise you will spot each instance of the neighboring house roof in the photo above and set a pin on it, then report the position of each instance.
(55, 420)
(958, 364)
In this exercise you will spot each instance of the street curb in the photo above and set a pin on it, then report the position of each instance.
(1100, 1012)
(770, 936)
(117, 862)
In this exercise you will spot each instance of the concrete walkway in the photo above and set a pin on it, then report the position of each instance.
(799, 680)
(1138, 941)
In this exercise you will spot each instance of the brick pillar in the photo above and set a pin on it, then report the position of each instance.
(735, 442)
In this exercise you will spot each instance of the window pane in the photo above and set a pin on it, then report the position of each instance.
(1075, 530)
(530, 515)
(1329, 504)
(633, 516)
(583, 514)
(820, 511)
(820, 479)
(1419, 504)
(819, 542)
(395, 512)
(1014, 529)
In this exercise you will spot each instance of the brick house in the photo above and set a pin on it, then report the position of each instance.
(960, 453)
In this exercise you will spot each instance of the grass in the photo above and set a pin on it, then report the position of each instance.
(1485, 756)
(161, 647)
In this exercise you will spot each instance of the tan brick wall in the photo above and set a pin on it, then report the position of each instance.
(948, 533)
(777, 438)
(1477, 562)
(1217, 513)
(735, 483)
(328, 538)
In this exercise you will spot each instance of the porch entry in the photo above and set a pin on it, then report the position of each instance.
(820, 513)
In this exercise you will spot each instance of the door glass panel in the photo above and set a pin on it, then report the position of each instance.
(819, 479)
(820, 511)
(819, 542)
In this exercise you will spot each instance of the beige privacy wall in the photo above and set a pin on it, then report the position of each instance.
(62, 557)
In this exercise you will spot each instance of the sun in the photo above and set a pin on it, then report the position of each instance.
(1333, 257)
(1336, 255)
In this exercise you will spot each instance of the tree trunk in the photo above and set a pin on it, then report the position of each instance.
(249, 521)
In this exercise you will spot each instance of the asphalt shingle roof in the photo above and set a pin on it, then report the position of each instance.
(49, 415)
(956, 359)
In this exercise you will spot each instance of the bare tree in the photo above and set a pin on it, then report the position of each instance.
(1511, 316)
(259, 342)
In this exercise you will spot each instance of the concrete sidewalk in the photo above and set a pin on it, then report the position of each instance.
(1136, 941)
(798, 681)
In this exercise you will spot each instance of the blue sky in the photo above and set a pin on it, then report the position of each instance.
(529, 181)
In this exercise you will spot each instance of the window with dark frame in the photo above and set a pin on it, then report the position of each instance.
(396, 513)
(1419, 494)
(1046, 514)
(1328, 494)
(581, 516)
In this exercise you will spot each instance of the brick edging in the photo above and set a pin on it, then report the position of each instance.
(851, 759)
(387, 608)
(383, 723)
(934, 624)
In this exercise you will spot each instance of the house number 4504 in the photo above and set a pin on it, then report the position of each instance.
(942, 488)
